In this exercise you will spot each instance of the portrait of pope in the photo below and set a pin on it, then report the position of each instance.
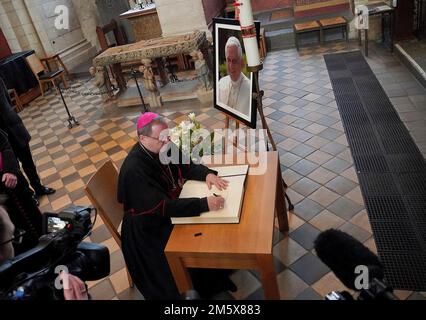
(234, 90)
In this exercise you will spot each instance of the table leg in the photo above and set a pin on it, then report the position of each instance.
(391, 29)
(118, 74)
(280, 205)
(383, 28)
(359, 37)
(161, 71)
(268, 277)
(366, 42)
(180, 273)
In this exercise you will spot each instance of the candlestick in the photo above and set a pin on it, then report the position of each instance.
(248, 31)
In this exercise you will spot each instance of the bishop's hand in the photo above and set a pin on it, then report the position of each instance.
(214, 180)
(215, 203)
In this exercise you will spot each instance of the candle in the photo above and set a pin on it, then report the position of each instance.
(249, 33)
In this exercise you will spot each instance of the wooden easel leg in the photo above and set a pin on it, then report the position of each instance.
(271, 139)
(280, 206)
(260, 110)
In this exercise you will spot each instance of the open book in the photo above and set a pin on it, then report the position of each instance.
(234, 194)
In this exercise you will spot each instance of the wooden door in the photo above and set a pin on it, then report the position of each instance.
(404, 19)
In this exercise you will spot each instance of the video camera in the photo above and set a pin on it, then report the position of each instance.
(343, 254)
(32, 274)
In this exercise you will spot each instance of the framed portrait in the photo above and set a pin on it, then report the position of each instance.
(233, 83)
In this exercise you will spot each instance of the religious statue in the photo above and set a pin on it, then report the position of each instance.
(150, 83)
(101, 82)
(203, 72)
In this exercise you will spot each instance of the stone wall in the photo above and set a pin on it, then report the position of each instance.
(43, 16)
(212, 8)
(30, 24)
(18, 28)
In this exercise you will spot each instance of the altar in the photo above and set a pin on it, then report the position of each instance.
(144, 21)
(150, 52)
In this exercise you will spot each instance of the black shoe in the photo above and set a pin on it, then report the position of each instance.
(44, 191)
(36, 202)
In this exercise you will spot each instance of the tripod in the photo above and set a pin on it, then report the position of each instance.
(71, 119)
(134, 74)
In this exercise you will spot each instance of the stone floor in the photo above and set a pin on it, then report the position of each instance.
(316, 161)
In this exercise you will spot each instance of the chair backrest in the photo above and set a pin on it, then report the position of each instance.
(35, 64)
(113, 27)
(102, 192)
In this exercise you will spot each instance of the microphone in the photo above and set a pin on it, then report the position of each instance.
(342, 254)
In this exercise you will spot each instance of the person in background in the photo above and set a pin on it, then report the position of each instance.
(7, 230)
(22, 210)
(19, 139)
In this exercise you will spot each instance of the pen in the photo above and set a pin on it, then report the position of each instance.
(215, 195)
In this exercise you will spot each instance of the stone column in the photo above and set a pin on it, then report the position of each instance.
(18, 28)
(88, 16)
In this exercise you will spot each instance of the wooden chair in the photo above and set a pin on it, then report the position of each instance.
(14, 97)
(57, 61)
(102, 192)
(113, 27)
(43, 75)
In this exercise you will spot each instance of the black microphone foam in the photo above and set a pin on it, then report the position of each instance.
(342, 253)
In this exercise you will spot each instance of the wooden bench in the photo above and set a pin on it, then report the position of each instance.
(310, 26)
(313, 9)
(332, 23)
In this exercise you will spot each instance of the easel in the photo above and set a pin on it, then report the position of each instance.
(258, 95)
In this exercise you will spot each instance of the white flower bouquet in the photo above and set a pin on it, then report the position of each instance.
(191, 138)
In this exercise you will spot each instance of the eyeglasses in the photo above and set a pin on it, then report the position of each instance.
(17, 237)
(163, 140)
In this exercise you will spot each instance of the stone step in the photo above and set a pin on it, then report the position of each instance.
(279, 39)
(81, 71)
(265, 20)
(414, 66)
(77, 53)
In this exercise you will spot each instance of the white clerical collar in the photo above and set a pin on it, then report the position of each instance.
(238, 82)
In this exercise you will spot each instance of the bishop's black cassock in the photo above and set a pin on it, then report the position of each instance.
(149, 192)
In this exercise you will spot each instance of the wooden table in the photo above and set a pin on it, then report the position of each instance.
(373, 11)
(247, 245)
